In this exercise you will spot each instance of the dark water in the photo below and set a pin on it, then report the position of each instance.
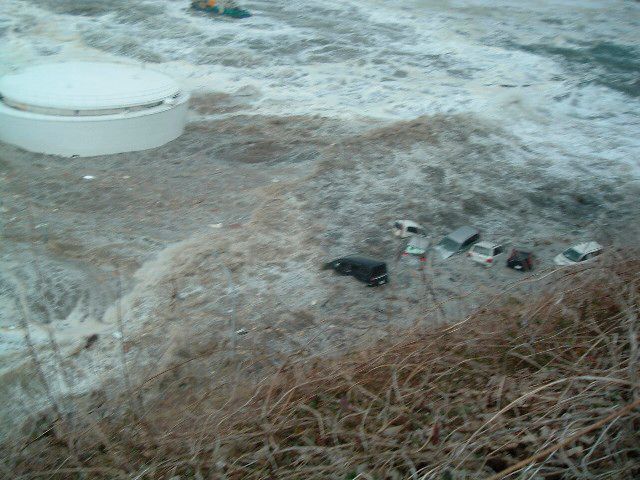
(611, 65)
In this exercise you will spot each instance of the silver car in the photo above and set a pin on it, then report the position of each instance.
(457, 241)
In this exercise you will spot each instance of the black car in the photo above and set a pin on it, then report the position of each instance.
(367, 270)
(521, 259)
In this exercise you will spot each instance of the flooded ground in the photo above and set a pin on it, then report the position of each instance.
(312, 129)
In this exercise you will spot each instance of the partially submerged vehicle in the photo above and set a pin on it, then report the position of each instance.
(368, 270)
(457, 241)
(521, 259)
(417, 245)
(485, 253)
(227, 8)
(407, 228)
(583, 252)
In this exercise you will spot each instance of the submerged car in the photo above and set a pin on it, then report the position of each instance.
(368, 270)
(407, 228)
(457, 241)
(521, 259)
(583, 252)
(485, 253)
(417, 245)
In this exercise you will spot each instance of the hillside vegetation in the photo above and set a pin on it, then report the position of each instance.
(543, 387)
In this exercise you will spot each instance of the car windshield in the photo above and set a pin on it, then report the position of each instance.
(520, 254)
(482, 251)
(572, 254)
(450, 245)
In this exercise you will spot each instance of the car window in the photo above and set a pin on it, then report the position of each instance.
(481, 250)
(412, 230)
(379, 271)
(573, 255)
(498, 250)
(470, 240)
(593, 254)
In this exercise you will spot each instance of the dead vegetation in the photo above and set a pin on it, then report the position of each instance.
(546, 388)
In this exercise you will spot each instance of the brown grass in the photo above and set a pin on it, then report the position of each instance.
(548, 387)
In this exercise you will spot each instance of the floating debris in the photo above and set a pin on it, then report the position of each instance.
(220, 7)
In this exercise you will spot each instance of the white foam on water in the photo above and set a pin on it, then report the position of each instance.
(379, 59)
(353, 59)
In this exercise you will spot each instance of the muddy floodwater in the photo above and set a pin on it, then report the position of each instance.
(312, 127)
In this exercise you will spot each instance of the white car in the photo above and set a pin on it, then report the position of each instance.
(583, 252)
(406, 228)
(485, 253)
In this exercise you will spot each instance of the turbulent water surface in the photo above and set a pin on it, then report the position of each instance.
(313, 126)
(562, 76)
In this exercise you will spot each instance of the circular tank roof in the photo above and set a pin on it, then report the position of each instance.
(87, 86)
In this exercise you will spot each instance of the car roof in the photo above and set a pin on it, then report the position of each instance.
(587, 247)
(461, 234)
(370, 262)
(486, 244)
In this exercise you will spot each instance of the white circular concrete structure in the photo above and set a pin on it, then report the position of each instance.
(86, 109)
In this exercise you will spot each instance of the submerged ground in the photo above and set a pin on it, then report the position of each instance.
(312, 128)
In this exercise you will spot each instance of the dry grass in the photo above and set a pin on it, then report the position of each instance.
(548, 387)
